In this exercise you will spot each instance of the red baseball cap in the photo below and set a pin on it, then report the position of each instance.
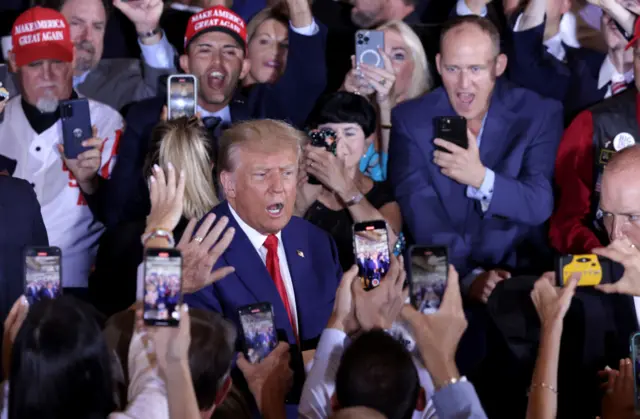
(41, 34)
(217, 18)
(636, 35)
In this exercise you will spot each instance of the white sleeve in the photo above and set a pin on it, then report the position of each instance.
(315, 402)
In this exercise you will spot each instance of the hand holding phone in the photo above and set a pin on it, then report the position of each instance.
(368, 46)
(428, 277)
(162, 287)
(42, 273)
(452, 129)
(322, 138)
(76, 126)
(371, 248)
(259, 330)
(592, 269)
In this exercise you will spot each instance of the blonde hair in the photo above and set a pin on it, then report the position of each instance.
(277, 13)
(263, 135)
(184, 143)
(421, 80)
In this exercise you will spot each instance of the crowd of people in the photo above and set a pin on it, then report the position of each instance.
(293, 143)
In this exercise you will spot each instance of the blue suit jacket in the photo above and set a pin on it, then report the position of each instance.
(315, 271)
(21, 225)
(519, 143)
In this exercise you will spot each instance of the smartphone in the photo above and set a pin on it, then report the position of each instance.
(635, 358)
(259, 330)
(428, 272)
(452, 129)
(368, 44)
(42, 273)
(4, 74)
(182, 98)
(593, 269)
(76, 126)
(371, 248)
(162, 287)
(324, 138)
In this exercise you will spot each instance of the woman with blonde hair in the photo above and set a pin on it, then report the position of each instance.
(267, 45)
(405, 76)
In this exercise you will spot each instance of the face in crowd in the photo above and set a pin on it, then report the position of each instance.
(87, 21)
(469, 64)
(219, 62)
(268, 51)
(402, 60)
(620, 198)
(261, 186)
(45, 83)
(366, 13)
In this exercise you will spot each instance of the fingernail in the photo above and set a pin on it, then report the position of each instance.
(185, 307)
(24, 301)
(170, 166)
(224, 219)
(181, 173)
(152, 179)
(607, 368)
(156, 167)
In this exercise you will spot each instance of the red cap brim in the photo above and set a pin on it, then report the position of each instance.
(46, 51)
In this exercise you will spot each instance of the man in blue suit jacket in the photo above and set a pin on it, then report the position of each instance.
(285, 261)
(487, 201)
(21, 225)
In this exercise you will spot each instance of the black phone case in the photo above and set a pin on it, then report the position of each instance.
(452, 129)
(76, 126)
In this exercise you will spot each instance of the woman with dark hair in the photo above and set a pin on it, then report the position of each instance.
(345, 196)
(60, 365)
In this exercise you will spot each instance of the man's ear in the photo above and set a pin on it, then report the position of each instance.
(184, 63)
(335, 405)
(12, 62)
(228, 182)
(438, 63)
(501, 64)
(246, 67)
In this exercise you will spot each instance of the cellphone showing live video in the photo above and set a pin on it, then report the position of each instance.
(162, 287)
(593, 269)
(182, 99)
(258, 328)
(428, 277)
(371, 248)
(42, 273)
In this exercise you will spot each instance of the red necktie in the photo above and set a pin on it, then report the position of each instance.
(273, 266)
(617, 87)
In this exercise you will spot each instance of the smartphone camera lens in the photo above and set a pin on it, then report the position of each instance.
(360, 42)
(360, 36)
(366, 39)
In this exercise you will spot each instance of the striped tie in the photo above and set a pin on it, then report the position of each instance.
(617, 87)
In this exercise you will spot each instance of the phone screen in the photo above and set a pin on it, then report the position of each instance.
(429, 268)
(182, 96)
(371, 246)
(42, 276)
(162, 288)
(259, 331)
(635, 356)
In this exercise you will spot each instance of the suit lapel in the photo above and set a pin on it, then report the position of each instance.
(497, 134)
(252, 272)
(90, 83)
(239, 109)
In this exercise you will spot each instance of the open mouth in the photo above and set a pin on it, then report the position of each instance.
(465, 99)
(275, 209)
(215, 80)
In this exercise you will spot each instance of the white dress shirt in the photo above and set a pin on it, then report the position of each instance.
(567, 36)
(609, 75)
(257, 239)
(319, 387)
(224, 113)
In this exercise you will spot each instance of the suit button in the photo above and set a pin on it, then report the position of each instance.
(33, 185)
(38, 148)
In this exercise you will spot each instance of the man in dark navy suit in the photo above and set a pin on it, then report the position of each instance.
(279, 259)
(21, 225)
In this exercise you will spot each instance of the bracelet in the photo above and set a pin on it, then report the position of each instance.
(158, 232)
(385, 126)
(543, 385)
(453, 380)
(150, 34)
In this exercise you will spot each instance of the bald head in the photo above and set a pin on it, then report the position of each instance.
(620, 196)
(357, 413)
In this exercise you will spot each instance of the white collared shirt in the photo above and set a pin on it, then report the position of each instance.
(224, 113)
(608, 74)
(566, 35)
(257, 239)
(185, 8)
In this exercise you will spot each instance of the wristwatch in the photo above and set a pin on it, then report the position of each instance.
(355, 200)
(150, 34)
